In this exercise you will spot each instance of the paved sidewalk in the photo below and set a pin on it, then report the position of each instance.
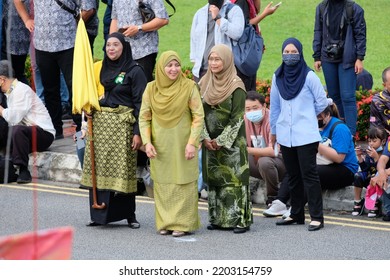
(60, 164)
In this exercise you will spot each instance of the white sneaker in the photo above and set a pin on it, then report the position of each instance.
(287, 214)
(277, 208)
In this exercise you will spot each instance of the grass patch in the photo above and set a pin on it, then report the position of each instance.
(294, 18)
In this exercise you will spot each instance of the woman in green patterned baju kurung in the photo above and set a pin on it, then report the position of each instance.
(171, 121)
(225, 158)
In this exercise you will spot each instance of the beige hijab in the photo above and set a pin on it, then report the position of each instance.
(217, 87)
(169, 98)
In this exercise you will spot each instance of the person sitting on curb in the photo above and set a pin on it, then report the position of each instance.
(380, 104)
(368, 157)
(27, 118)
(263, 163)
(381, 180)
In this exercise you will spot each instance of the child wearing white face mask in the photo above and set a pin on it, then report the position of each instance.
(263, 163)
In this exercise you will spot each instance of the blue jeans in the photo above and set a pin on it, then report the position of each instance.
(386, 202)
(341, 86)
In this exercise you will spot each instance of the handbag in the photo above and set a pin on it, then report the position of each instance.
(321, 160)
(248, 50)
(147, 12)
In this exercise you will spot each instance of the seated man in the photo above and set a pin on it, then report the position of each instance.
(27, 118)
(380, 105)
(263, 163)
(381, 180)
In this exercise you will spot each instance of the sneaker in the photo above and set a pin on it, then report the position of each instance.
(358, 208)
(277, 208)
(287, 214)
(24, 176)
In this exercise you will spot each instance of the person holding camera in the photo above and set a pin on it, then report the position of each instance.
(339, 47)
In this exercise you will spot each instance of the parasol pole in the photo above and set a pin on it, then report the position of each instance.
(95, 204)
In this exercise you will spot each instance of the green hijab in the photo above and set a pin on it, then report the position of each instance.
(169, 98)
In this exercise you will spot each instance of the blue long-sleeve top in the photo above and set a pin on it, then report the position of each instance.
(294, 121)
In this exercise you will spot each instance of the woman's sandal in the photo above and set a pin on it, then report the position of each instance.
(164, 232)
(177, 233)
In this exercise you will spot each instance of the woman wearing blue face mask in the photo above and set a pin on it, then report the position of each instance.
(297, 97)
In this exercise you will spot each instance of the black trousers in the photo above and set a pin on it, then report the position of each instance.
(148, 62)
(249, 81)
(51, 64)
(22, 142)
(18, 64)
(303, 176)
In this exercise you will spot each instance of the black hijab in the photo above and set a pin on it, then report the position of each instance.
(112, 68)
(290, 79)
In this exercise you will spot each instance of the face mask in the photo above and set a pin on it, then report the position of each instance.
(321, 123)
(380, 149)
(255, 116)
(291, 59)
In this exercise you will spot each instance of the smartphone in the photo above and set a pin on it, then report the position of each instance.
(80, 143)
(277, 5)
(121, 30)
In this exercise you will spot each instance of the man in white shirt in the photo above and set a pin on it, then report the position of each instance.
(27, 118)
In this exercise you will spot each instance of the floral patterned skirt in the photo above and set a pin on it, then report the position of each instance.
(230, 206)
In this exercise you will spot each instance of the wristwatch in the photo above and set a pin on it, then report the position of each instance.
(217, 17)
(139, 28)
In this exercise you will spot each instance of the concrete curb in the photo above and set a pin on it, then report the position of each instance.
(65, 168)
(338, 200)
(56, 167)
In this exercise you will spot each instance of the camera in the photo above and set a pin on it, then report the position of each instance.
(334, 51)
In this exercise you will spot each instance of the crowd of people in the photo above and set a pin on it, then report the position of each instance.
(216, 125)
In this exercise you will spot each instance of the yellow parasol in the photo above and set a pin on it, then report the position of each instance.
(85, 94)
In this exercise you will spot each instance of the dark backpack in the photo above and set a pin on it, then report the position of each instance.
(248, 50)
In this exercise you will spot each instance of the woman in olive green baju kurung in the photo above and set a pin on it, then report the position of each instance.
(171, 121)
(225, 159)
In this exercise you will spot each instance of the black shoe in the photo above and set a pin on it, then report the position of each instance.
(212, 227)
(386, 217)
(133, 223)
(317, 227)
(241, 229)
(59, 136)
(93, 224)
(289, 221)
(24, 176)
